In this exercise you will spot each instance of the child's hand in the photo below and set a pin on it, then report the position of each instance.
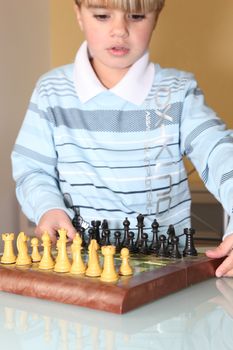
(224, 249)
(52, 221)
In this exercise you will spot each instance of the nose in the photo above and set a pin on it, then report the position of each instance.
(119, 28)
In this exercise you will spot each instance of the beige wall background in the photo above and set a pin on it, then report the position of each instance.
(37, 35)
(24, 55)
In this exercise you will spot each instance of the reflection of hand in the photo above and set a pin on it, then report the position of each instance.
(224, 249)
(225, 300)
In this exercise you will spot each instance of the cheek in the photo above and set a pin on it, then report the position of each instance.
(93, 37)
(142, 38)
(146, 36)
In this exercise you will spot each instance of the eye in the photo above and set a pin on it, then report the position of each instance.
(136, 17)
(101, 17)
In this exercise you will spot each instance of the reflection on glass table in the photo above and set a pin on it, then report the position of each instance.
(199, 317)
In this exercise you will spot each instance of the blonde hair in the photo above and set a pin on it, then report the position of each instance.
(125, 5)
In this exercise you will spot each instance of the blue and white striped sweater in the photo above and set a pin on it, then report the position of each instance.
(117, 159)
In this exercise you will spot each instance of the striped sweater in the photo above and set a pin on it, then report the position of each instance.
(116, 158)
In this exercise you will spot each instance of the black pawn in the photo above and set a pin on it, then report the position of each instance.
(189, 249)
(117, 244)
(144, 249)
(154, 246)
(175, 254)
(130, 243)
(107, 233)
(162, 253)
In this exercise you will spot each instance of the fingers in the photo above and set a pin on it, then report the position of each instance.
(226, 268)
(71, 232)
(223, 249)
(52, 233)
(52, 221)
(218, 252)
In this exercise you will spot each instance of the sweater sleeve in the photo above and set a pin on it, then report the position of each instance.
(34, 162)
(206, 141)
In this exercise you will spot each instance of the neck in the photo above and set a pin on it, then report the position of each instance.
(109, 77)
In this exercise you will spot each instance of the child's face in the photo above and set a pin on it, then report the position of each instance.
(116, 39)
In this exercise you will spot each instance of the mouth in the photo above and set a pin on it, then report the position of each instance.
(118, 51)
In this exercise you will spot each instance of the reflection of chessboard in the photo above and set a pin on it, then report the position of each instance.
(153, 278)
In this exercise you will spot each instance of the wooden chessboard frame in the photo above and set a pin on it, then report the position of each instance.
(120, 297)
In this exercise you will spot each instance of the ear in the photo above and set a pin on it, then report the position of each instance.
(77, 11)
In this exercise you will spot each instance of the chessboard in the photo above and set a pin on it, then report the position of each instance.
(153, 278)
(157, 269)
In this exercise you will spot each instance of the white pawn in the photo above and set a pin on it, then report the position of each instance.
(125, 268)
(109, 273)
(78, 266)
(8, 253)
(35, 253)
(47, 261)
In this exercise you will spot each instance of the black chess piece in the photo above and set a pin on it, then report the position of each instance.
(83, 237)
(103, 238)
(81, 230)
(162, 252)
(106, 237)
(90, 235)
(154, 246)
(140, 225)
(77, 220)
(96, 230)
(104, 226)
(189, 249)
(126, 224)
(144, 249)
(170, 235)
(117, 235)
(175, 254)
(130, 243)
(107, 233)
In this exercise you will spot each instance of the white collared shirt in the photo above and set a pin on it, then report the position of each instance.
(139, 78)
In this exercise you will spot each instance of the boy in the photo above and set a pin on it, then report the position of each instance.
(110, 131)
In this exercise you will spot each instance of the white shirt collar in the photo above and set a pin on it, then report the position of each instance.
(133, 87)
